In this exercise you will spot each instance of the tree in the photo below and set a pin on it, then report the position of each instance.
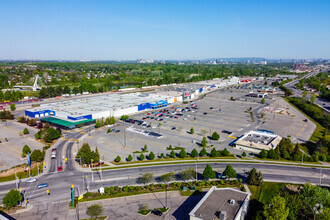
(182, 154)
(26, 150)
(117, 159)
(12, 107)
(142, 157)
(194, 153)
(172, 154)
(151, 156)
(37, 155)
(26, 131)
(51, 134)
(214, 153)
(208, 172)
(95, 210)
(96, 155)
(204, 142)
(263, 154)
(244, 154)
(272, 154)
(229, 172)
(97, 124)
(162, 155)
(215, 136)
(263, 101)
(312, 98)
(12, 198)
(147, 178)
(192, 131)
(129, 158)
(304, 93)
(124, 117)
(145, 148)
(232, 98)
(312, 195)
(167, 177)
(254, 178)
(278, 209)
(188, 174)
(203, 152)
(225, 152)
(85, 153)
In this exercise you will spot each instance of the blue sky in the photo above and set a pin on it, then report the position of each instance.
(119, 30)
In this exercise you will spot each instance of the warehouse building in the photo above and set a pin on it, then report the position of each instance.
(255, 141)
(221, 203)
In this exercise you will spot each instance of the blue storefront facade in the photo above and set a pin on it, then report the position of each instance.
(41, 113)
(159, 104)
(80, 117)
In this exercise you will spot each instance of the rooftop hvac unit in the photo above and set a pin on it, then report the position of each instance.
(232, 202)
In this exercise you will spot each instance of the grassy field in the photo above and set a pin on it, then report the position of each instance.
(269, 190)
(22, 175)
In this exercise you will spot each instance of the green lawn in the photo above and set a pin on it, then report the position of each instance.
(98, 218)
(22, 175)
(269, 190)
(255, 191)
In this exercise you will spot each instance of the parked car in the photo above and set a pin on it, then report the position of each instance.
(173, 128)
(59, 168)
(144, 118)
(205, 113)
(42, 185)
(157, 212)
(305, 120)
(31, 180)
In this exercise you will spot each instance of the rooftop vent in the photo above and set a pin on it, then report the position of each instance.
(232, 202)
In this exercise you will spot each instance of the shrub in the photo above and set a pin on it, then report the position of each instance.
(222, 182)
(263, 154)
(215, 136)
(124, 117)
(37, 155)
(272, 154)
(183, 154)
(118, 159)
(214, 152)
(244, 154)
(125, 189)
(145, 148)
(26, 131)
(151, 156)
(172, 154)
(26, 150)
(129, 158)
(203, 152)
(194, 153)
(142, 157)
(162, 155)
(225, 152)
(204, 142)
(192, 131)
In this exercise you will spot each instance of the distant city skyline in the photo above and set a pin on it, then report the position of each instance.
(169, 30)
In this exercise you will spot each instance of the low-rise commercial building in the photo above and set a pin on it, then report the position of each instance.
(221, 203)
(255, 141)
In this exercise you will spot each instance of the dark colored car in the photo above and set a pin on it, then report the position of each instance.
(157, 212)
(205, 113)
(173, 128)
(305, 120)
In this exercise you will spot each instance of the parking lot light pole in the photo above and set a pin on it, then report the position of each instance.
(16, 180)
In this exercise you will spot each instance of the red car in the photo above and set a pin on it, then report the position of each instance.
(148, 113)
(176, 117)
(59, 168)
(144, 118)
(172, 108)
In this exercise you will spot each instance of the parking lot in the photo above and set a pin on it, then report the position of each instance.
(215, 112)
(285, 120)
(10, 150)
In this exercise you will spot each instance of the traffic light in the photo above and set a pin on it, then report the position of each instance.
(48, 193)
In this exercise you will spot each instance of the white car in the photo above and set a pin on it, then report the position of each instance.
(31, 180)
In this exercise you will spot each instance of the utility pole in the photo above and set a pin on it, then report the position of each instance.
(320, 176)
(125, 138)
(16, 180)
